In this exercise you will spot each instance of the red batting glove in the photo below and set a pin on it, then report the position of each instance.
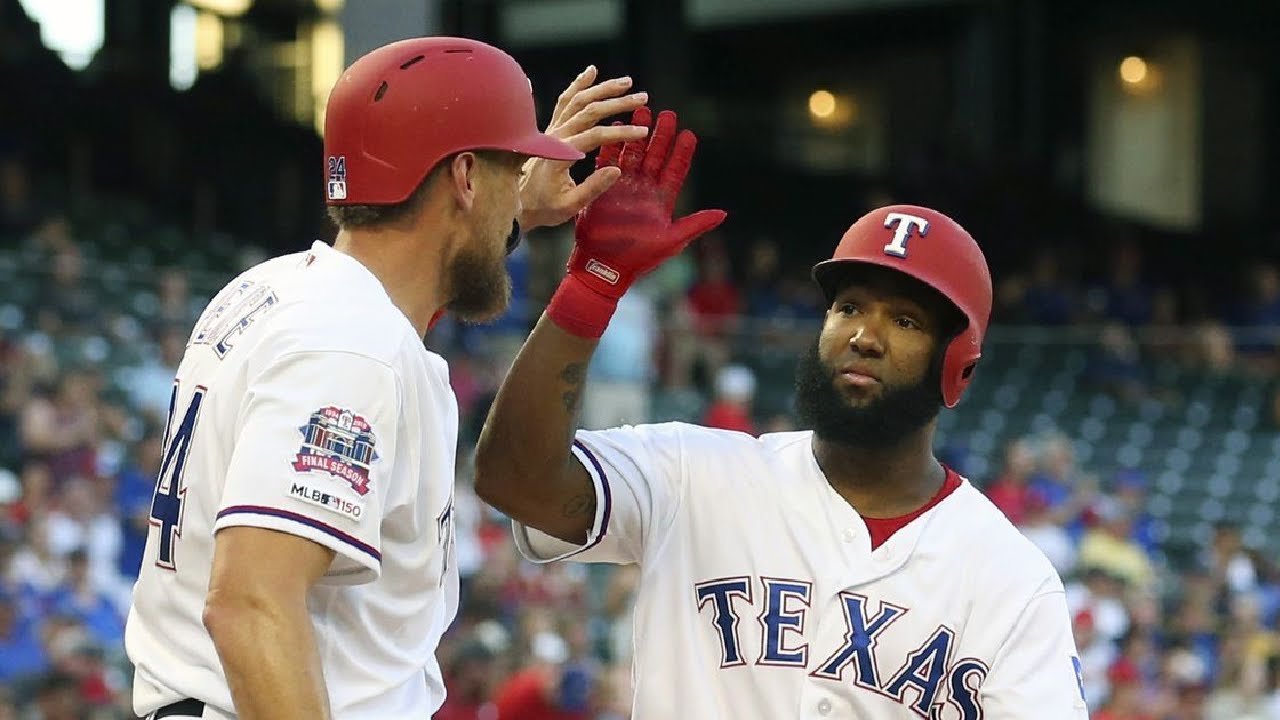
(628, 231)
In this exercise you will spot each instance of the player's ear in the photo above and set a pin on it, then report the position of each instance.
(461, 178)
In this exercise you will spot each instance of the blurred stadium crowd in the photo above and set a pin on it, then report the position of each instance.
(88, 350)
(1175, 613)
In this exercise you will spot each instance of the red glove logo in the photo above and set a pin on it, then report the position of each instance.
(602, 271)
(628, 231)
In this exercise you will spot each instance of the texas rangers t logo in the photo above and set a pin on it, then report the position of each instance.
(340, 443)
(898, 246)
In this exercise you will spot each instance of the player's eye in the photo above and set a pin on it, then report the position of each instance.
(908, 323)
(848, 308)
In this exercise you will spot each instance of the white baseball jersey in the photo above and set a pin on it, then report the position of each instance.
(761, 596)
(306, 403)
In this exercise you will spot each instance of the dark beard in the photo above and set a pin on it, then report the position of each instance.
(481, 287)
(884, 423)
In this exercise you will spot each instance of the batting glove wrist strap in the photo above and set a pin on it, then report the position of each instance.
(580, 310)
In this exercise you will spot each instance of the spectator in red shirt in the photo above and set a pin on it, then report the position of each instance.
(62, 428)
(1127, 701)
(533, 693)
(35, 494)
(731, 409)
(714, 299)
(1011, 492)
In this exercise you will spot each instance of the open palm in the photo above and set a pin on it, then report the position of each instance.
(548, 193)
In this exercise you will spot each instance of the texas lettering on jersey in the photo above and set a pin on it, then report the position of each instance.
(927, 679)
(764, 595)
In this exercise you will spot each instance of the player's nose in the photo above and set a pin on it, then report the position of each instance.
(867, 338)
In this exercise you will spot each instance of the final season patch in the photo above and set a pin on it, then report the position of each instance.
(337, 442)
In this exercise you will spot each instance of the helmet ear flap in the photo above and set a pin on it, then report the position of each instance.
(958, 364)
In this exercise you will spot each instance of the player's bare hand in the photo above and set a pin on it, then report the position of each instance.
(548, 193)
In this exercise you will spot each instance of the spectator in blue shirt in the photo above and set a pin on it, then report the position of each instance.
(135, 485)
(21, 654)
(76, 598)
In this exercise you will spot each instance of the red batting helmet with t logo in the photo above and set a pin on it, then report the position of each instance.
(934, 249)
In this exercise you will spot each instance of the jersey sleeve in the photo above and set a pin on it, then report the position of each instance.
(638, 483)
(1037, 670)
(314, 445)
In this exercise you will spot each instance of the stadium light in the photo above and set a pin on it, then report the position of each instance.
(1133, 70)
(833, 110)
(1139, 76)
(822, 104)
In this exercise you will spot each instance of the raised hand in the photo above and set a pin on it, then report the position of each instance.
(548, 193)
(628, 230)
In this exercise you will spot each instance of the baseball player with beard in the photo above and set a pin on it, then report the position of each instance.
(837, 572)
(300, 563)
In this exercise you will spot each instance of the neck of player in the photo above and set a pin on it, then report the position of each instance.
(883, 482)
(397, 259)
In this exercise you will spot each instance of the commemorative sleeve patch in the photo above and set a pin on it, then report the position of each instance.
(339, 443)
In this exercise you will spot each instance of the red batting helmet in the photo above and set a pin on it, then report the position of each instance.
(401, 109)
(934, 249)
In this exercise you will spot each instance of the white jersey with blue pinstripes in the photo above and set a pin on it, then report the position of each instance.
(306, 403)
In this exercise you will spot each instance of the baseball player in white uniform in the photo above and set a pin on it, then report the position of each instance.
(300, 563)
(837, 572)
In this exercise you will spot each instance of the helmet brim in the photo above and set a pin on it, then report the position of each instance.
(541, 145)
(830, 275)
(827, 274)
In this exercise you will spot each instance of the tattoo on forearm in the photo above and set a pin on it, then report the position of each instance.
(584, 503)
(570, 400)
(572, 375)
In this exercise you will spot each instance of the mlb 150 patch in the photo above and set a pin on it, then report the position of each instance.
(328, 501)
(339, 443)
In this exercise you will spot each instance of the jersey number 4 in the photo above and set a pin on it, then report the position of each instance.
(171, 491)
